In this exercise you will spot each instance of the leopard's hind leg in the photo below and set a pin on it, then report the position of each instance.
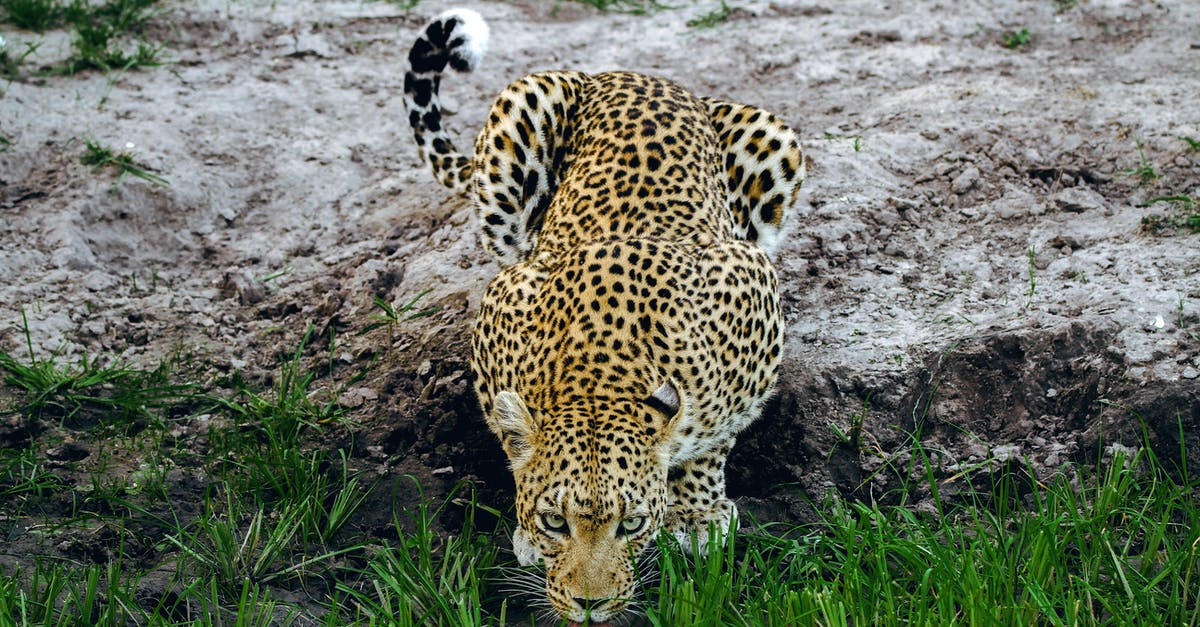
(520, 156)
(764, 167)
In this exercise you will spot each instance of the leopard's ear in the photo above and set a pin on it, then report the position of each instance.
(515, 425)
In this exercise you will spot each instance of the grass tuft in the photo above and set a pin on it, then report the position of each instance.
(1184, 214)
(34, 15)
(107, 36)
(427, 579)
(391, 316)
(99, 156)
(712, 18)
(10, 64)
(1144, 171)
(1014, 39)
(110, 391)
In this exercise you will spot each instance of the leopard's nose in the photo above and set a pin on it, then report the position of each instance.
(589, 603)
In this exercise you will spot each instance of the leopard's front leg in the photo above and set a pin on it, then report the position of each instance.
(697, 501)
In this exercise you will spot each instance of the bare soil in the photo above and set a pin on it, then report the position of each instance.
(969, 267)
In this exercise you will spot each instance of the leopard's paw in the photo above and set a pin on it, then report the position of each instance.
(697, 530)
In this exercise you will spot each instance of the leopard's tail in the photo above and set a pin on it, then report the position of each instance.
(457, 38)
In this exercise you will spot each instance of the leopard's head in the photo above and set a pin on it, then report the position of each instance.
(591, 482)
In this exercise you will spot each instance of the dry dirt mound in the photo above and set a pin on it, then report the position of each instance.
(970, 268)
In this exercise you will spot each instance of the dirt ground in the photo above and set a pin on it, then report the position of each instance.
(968, 266)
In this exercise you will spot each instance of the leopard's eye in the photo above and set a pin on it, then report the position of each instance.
(554, 522)
(631, 525)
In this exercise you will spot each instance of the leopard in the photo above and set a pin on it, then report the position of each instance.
(634, 327)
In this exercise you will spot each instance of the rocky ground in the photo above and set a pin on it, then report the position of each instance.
(973, 265)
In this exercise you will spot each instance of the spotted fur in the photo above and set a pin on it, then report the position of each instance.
(634, 328)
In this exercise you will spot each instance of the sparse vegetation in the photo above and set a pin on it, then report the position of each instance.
(34, 15)
(92, 384)
(712, 18)
(1184, 214)
(390, 315)
(635, 7)
(10, 62)
(1144, 171)
(1014, 39)
(107, 36)
(403, 5)
(99, 156)
(856, 141)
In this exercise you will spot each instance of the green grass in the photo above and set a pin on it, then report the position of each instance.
(1144, 171)
(1183, 213)
(106, 36)
(99, 156)
(104, 387)
(264, 453)
(10, 64)
(1119, 544)
(390, 316)
(34, 15)
(712, 18)
(426, 579)
(1014, 39)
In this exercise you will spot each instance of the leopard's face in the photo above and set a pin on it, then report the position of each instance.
(589, 502)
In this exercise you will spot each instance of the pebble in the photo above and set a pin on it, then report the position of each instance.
(895, 249)
(68, 451)
(1079, 200)
(1190, 373)
(1005, 452)
(356, 396)
(887, 216)
(98, 281)
(965, 181)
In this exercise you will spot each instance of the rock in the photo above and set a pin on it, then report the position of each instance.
(1190, 373)
(1079, 200)
(1005, 452)
(887, 216)
(68, 452)
(964, 182)
(356, 396)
